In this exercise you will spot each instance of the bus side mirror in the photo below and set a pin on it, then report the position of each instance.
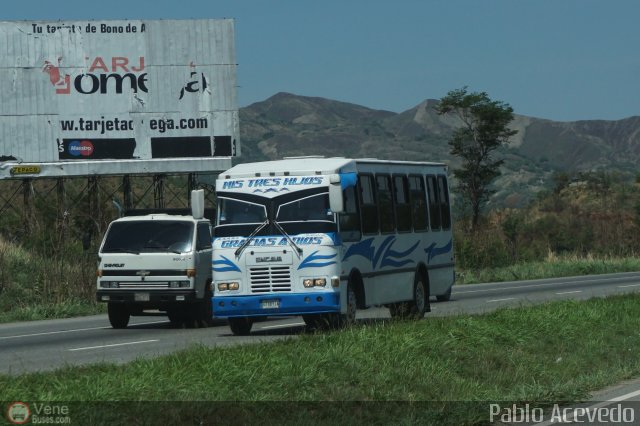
(336, 202)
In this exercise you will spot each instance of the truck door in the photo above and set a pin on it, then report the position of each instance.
(203, 258)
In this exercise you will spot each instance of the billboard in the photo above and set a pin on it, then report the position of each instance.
(117, 97)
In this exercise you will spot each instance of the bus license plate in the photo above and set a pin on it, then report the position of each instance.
(270, 304)
(141, 297)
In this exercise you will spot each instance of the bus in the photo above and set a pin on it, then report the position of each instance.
(322, 237)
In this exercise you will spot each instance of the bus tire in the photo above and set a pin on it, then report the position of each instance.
(241, 326)
(347, 319)
(416, 308)
(119, 315)
(420, 304)
(444, 297)
(314, 321)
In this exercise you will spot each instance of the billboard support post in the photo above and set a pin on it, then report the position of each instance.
(158, 191)
(28, 213)
(62, 209)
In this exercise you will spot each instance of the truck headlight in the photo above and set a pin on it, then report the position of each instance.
(108, 284)
(179, 284)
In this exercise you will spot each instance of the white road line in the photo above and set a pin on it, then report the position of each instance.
(593, 407)
(282, 325)
(45, 333)
(501, 300)
(113, 345)
(630, 285)
(570, 292)
(537, 285)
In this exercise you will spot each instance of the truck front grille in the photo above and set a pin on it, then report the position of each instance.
(266, 279)
(145, 285)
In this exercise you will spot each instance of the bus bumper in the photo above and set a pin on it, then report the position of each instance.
(276, 304)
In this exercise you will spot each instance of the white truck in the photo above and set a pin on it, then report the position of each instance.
(158, 262)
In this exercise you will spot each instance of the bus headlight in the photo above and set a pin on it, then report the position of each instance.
(226, 286)
(320, 282)
(314, 282)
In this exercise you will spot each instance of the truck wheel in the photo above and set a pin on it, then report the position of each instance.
(205, 310)
(444, 297)
(118, 315)
(240, 326)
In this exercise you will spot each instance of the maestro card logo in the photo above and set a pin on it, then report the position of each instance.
(18, 413)
(80, 148)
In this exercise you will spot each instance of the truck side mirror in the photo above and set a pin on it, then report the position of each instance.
(197, 203)
(336, 202)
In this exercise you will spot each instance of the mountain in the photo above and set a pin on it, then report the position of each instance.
(291, 125)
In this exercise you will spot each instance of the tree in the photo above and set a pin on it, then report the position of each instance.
(483, 129)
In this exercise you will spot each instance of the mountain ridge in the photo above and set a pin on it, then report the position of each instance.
(286, 124)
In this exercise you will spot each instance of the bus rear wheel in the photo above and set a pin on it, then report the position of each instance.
(416, 308)
(241, 326)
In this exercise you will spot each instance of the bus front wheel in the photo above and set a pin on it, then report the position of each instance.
(347, 319)
(240, 326)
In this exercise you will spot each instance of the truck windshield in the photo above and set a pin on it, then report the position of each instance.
(149, 236)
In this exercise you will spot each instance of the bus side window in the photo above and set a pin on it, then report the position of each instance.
(385, 203)
(350, 218)
(443, 196)
(401, 199)
(434, 203)
(368, 204)
(418, 203)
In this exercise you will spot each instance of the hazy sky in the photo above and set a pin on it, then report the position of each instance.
(556, 59)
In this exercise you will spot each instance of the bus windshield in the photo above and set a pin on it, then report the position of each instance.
(296, 213)
(314, 207)
(238, 212)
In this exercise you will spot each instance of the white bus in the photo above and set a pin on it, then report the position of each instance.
(322, 237)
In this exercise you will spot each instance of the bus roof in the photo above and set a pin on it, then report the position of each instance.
(311, 165)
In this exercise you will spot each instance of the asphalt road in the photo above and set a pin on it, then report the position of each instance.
(46, 345)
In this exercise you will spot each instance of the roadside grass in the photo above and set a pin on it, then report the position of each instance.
(36, 287)
(70, 308)
(553, 267)
(436, 371)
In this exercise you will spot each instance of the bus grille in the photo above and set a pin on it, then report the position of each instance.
(270, 279)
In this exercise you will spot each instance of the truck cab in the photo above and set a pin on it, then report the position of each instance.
(159, 263)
